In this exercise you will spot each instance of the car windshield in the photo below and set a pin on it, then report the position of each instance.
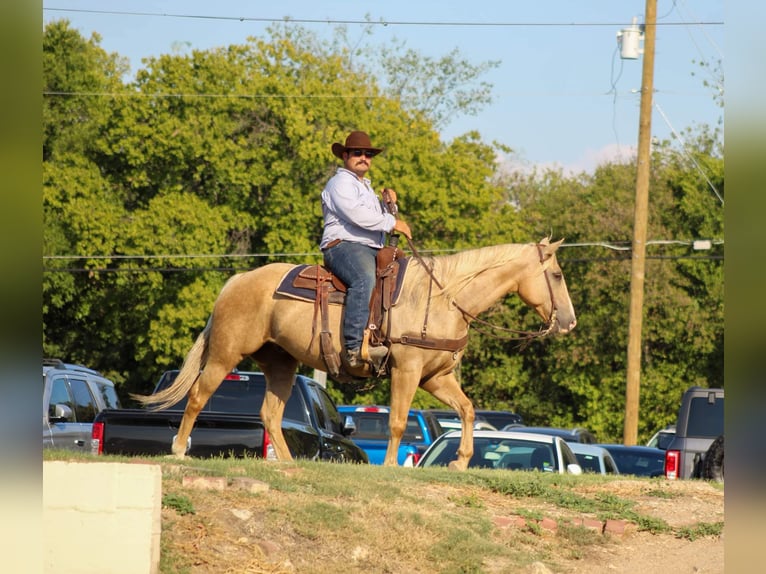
(374, 426)
(705, 418)
(641, 464)
(243, 394)
(514, 454)
(588, 462)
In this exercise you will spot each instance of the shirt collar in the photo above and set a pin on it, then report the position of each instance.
(352, 174)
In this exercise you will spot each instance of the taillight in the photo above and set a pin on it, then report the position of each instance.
(412, 459)
(268, 449)
(371, 410)
(672, 462)
(97, 438)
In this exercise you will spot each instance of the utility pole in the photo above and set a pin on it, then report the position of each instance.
(638, 263)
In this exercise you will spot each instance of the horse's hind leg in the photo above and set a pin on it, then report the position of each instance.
(447, 389)
(279, 370)
(200, 392)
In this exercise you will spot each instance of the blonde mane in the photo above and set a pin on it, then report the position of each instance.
(456, 271)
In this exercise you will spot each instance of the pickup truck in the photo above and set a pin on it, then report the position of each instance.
(371, 432)
(230, 424)
(696, 450)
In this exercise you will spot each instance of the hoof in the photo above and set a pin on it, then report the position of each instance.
(455, 465)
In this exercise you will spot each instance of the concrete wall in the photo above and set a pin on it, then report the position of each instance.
(101, 518)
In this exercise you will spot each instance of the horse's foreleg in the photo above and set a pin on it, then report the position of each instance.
(447, 389)
(199, 393)
(403, 387)
(279, 385)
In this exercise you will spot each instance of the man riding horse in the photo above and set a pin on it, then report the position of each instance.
(355, 223)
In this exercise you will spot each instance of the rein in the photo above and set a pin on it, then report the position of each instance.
(518, 335)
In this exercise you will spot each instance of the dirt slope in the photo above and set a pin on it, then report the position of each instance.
(288, 530)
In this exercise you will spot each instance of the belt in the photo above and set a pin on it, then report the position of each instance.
(332, 244)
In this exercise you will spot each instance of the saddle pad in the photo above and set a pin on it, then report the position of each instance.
(287, 288)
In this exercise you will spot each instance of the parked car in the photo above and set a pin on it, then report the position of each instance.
(230, 424)
(662, 438)
(696, 450)
(371, 433)
(594, 458)
(499, 419)
(449, 424)
(505, 450)
(576, 434)
(72, 397)
(485, 420)
(637, 460)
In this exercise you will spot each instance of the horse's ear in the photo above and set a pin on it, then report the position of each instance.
(550, 248)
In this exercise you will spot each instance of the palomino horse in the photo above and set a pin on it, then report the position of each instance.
(249, 319)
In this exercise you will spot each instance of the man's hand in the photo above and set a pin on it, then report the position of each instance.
(388, 194)
(402, 227)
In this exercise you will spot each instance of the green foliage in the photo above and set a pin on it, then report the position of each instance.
(700, 530)
(579, 379)
(179, 503)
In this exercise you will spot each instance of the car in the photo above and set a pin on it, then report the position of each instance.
(230, 423)
(663, 437)
(594, 458)
(505, 450)
(449, 424)
(371, 433)
(484, 420)
(499, 419)
(450, 420)
(72, 397)
(697, 448)
(637, 460)
(576, 434)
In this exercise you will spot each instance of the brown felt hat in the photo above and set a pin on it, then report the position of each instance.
(355, 140)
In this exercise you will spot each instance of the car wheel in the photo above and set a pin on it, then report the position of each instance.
(713, 464)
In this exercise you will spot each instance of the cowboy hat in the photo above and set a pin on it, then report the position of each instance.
(355, 140)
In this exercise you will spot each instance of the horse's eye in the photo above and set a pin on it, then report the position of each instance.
(557, 275)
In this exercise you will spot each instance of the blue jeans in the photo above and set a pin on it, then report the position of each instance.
(354, 264)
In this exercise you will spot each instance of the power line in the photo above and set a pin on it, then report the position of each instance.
(236, 96)
(380, 22)
(564, 260)
(687, 154)
(619, 246)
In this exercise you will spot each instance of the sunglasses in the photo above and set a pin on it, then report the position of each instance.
(362, 152)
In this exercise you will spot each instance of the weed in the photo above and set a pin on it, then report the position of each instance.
(179, 502)
(648, 523)
(578, 535)
(529, 514)
(469, 501)
(700, 530)
(662, 493)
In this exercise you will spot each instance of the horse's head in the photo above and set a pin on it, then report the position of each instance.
(546, 290)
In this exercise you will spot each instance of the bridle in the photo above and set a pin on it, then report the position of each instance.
(486, 327)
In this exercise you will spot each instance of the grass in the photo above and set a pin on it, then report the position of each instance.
(360, 518)
(180, 503)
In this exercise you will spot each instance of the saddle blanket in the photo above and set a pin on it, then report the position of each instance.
(306, 291)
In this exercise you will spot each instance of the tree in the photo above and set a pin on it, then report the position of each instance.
(224, 153)
(78, 79)
(580, 378)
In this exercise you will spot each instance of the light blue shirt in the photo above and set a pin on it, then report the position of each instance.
(353, 212)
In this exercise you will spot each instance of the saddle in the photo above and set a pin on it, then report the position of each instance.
(318, 284)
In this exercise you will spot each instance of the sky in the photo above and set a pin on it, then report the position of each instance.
(562, 96)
